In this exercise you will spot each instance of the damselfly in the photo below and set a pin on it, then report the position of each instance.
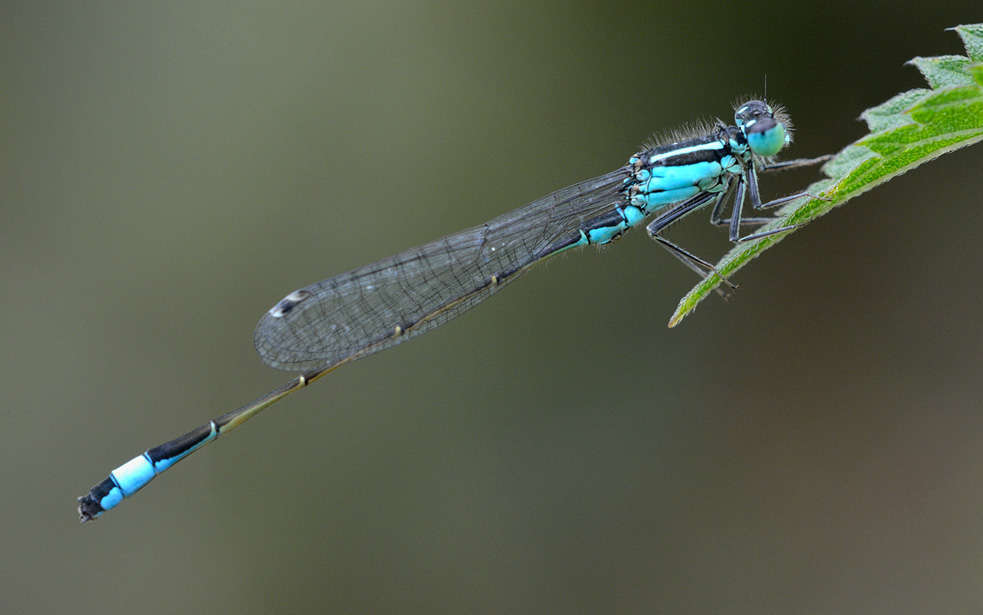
(320, 327)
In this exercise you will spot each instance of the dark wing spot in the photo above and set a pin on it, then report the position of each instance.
(285, 305)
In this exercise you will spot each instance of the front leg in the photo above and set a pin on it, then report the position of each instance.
(794, 164)
(751, 178)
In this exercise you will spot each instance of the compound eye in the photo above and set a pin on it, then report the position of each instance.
(766, 137)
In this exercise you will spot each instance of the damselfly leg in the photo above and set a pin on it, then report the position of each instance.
(747, 182)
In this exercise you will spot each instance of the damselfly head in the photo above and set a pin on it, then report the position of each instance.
(767, 130)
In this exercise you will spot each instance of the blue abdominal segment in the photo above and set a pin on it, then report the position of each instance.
(133, 475)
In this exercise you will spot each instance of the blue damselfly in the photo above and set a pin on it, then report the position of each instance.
(320, 327)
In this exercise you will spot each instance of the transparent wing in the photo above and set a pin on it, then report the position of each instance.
(379, 305)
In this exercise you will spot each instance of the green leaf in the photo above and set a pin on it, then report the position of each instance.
(908, 130)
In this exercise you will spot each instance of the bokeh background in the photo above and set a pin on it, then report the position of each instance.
(814, 445)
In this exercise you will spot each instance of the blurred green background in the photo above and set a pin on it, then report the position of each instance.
(172, 169)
